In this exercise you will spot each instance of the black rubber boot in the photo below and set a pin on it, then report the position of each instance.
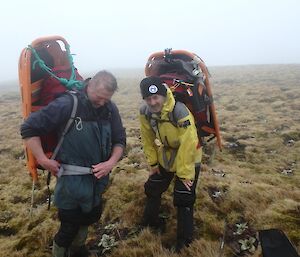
(185, 227)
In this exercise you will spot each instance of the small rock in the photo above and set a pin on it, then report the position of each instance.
(232, 145)
(287, 172)
(216, 194)
(218, 172)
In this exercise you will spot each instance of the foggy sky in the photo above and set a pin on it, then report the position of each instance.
(122, 34)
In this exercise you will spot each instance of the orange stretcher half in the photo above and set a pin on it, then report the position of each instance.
(157, 62)
(30, 80)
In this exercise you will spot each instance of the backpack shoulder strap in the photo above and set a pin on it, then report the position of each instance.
(61, 139)
(144, 110)
(180, 111)
(68, 124)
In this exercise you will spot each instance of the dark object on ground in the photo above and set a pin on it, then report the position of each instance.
(275, 243)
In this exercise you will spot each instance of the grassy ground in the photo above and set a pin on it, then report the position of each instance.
(254, 180)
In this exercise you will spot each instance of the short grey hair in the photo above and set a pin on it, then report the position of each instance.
(105, 79)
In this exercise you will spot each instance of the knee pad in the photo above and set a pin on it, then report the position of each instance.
(183, 199)
(158, 183)
(182, 196)
(152, 190)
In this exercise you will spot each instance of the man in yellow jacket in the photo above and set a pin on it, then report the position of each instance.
(171, 146)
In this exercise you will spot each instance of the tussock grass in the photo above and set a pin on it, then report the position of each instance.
(255, 179)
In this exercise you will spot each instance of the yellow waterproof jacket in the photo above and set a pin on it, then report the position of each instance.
(170, 139)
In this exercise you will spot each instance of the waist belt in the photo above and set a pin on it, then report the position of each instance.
(67, 170)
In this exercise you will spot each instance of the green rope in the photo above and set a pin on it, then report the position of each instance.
(68, 83)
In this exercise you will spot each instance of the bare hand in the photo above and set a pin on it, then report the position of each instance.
(34, 144)
(50, 165)
(102, 169)
(154, 170)
(188, 184)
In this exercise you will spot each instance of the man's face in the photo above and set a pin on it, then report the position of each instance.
(98, 95)
(155, 102)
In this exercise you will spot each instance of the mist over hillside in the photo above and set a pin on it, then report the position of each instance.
(274, 73)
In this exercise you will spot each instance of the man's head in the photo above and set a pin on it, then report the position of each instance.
(101, 88)
(154, 93)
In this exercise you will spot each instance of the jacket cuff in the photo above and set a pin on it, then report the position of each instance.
(153, 165)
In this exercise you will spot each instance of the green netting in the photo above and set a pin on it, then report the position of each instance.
(70, 83)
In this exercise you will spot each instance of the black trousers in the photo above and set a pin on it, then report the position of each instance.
(70, 222)
(183, 199)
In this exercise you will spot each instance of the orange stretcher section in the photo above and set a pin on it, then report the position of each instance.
(151, 70)
(30, 81)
